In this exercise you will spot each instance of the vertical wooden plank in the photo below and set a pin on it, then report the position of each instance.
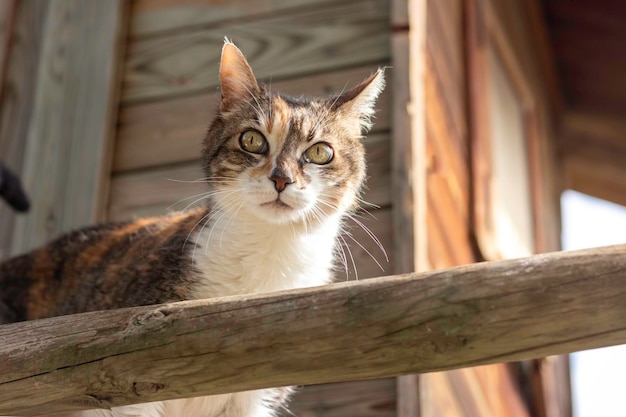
(67, 152)
(409, 160)
(7, 14)
(17, 101)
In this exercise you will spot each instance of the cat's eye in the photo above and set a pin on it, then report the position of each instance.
(321, 153)
(253, 142)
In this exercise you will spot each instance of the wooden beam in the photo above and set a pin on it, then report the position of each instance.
(465, 316)
(546, 58)
(68, 143)
(605, 131)
(408, 159)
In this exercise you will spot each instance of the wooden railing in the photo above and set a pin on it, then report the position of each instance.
(471, 315)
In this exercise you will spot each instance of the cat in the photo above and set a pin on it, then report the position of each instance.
(11, 190)
(282, 174)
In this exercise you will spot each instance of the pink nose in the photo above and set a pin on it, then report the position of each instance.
(281, 179)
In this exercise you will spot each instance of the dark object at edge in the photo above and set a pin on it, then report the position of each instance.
(11, 190)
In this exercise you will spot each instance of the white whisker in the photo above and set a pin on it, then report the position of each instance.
(356, 272)
(370, 234)
(365, 250)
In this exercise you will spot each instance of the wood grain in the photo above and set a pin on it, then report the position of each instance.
(470, 315)
(403, 179)
(7, 19)
(66, 149)
(300, 41)
(408, 161)
(346, 399)
(154, 17)
(17, 101)
(172, 131)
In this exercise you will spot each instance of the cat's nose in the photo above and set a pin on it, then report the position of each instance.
(281, 179)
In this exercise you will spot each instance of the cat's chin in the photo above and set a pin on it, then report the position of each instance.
(279, 212)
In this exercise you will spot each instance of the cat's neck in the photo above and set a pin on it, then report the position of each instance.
(243, 254)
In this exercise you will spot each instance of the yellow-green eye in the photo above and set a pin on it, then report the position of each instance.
(321, 153)
(253, 141)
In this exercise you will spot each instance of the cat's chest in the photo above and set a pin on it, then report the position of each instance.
(250, 258)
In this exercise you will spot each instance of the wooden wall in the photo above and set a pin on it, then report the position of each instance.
(57, 111)
(490, 390)
(448, 150)
(169, 96)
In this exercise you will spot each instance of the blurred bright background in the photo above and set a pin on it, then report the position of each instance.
(599, 375)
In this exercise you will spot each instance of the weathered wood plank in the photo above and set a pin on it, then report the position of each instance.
(346, 399)
(153, 17)
(338, 35)
(7, 18)
(17, 100)
(67, 147)
(171, 131)
(470, 315)
(173, 186)
(449, 150)
(446, 62)
(408, 160)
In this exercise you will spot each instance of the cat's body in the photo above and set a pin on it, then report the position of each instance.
(282, 174)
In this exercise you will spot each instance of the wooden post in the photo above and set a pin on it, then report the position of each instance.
(16, 104)
(413, 323)
(66, 160)
(409, 160)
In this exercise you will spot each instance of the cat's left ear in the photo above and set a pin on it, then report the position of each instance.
(236, 78)
(360, 100)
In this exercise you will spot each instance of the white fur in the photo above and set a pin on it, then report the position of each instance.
(248, 247)
(249, 404)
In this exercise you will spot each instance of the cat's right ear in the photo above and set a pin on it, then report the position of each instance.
(236, 78)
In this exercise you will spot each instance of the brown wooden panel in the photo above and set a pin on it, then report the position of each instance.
(152, 17)
(7, 15)
(438, 398)
(278, 46)
(446, 65)
(596, 177)
(449, 151)
(439, 254)
(171, 131)
(453, 225)
(501, 391)
(448, 178)
(67, 153)
(346, 399)
(17, 101)
(587, 40)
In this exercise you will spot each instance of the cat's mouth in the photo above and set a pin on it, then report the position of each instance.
(278, 204)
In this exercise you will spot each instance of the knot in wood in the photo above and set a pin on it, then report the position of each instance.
(149, 316)
(143, 387)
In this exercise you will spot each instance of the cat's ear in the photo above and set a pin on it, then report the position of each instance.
(359, 101)
(236, 78)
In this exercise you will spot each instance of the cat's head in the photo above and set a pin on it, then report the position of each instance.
(284, 159)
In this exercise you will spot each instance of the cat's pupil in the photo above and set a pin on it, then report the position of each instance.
(254, 142)
(320, 154)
